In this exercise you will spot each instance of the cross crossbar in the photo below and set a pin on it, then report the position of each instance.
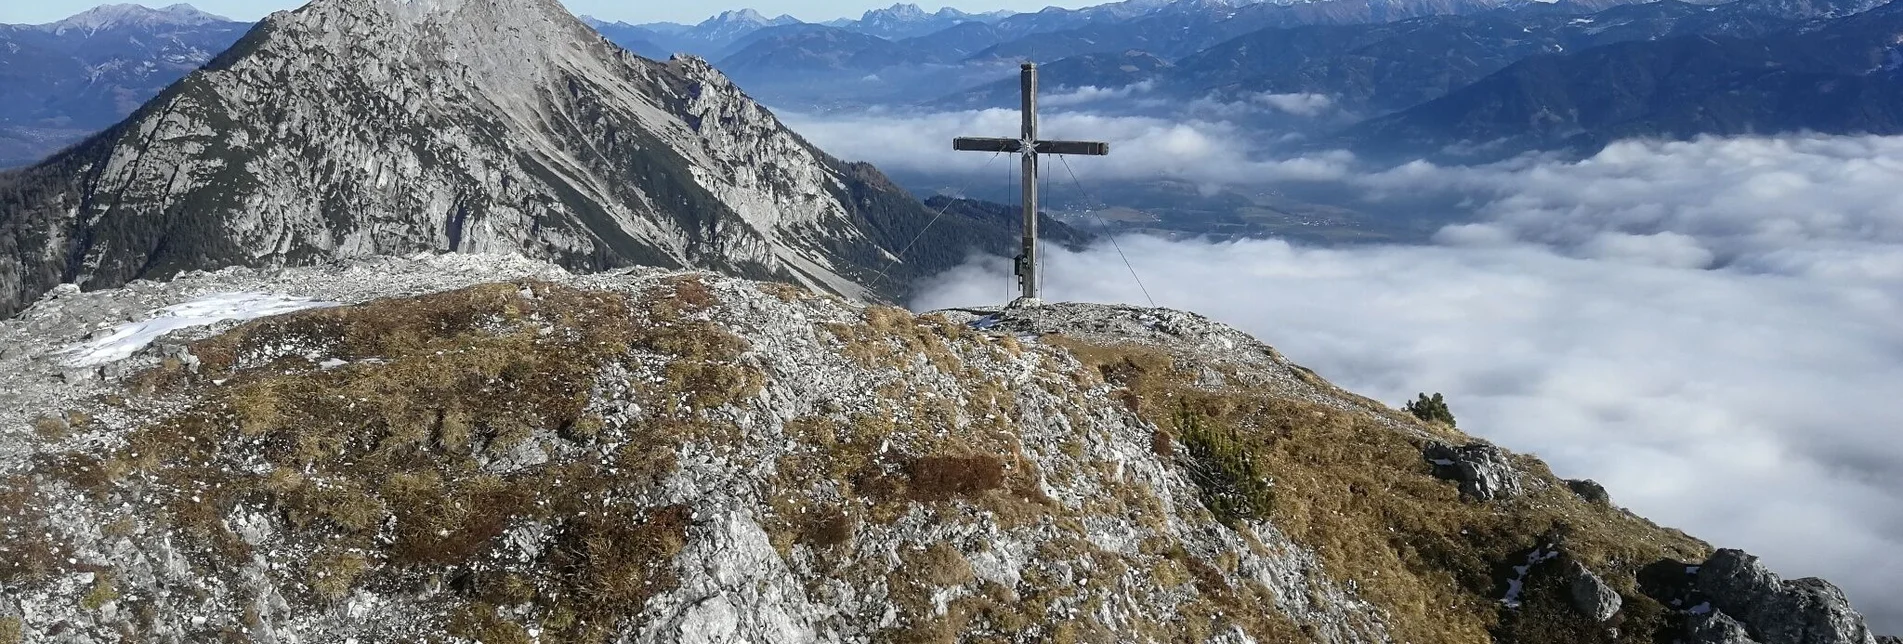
(1027, 260)
(1013, 146)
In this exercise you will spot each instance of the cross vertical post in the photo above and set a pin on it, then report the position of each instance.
(1028, 145)
(1027, 257)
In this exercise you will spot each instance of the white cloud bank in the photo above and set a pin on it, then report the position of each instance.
(1713, 329)
(1092, 94)
(1212, 152)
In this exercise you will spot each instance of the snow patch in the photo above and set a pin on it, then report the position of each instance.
(129, 338)
(1518, 582)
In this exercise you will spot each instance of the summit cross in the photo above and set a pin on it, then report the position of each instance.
(1029, 146)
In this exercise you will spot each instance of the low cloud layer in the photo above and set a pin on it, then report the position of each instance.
(1092, 94)
(1214, 152)
(1713, 329)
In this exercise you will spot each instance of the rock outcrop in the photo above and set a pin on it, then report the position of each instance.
(491, 448)
(1589, 490)
(1590, 594)
(1714, 627)
(1774, 611)
(1483, 471)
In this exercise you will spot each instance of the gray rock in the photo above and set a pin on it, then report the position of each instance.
(1887, 639)
(78, 374)
(1715, 627)
(1589, 490)
(734, 582)
(1800, 611)
(1482, 470)
(1591, 596)
(1736, 582)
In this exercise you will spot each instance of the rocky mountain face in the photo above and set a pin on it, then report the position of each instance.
(494, 449)
(351, 128)
(64, 80)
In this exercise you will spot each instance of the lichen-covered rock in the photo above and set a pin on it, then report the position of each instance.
(1482, 470)
(1774, 611)
(1707, 626)
(487, 448)
(1589, 490)
(1590, 595)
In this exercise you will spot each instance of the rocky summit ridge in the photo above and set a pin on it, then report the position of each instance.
(353, 128)
(490, 448)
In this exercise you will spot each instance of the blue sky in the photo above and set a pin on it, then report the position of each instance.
(636, 11)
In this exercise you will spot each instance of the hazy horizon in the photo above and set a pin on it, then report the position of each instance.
(807, 10)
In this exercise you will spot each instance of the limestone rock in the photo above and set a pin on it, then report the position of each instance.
(493, 448)
(1589, 490)
(1482, 470)
(1774, 611)
(1591, 596)
(1715, 627)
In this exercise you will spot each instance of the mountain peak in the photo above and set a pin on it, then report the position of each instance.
(898, 11)
(498, 46)
(747, 17)
(113, 16)
(353, 128)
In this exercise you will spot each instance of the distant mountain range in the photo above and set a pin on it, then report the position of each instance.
(1395, 76)
(1846, 76)
(63, 80)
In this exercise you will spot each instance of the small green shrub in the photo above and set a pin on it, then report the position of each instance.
(1233, 485)
(1431, 409)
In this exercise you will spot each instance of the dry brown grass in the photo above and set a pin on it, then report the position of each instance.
(437, 386)
(942, 478)
(28, 554)
(50, 428)
(1359, 495)
(611, 563)
(787, 293)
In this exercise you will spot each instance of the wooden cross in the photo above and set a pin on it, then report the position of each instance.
(1029, 146)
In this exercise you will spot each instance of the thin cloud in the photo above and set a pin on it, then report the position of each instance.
(1710, 328)
(1297, 104)
(1093, 94)
(1142, 148)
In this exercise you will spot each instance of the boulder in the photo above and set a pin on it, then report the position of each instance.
(1774, 611)
(1715, 627)
(1589, 490)
(1482, 470)
(1591, 596)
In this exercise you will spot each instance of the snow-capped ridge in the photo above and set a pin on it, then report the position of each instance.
(116, 16)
